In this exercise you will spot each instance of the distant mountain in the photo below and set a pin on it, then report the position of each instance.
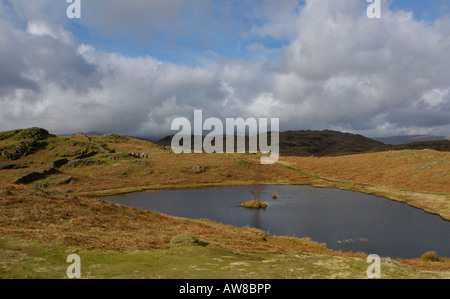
(94, 133)
(325, 143)
(438, 145)
(333, 143)
(395, 140)
(315, 143)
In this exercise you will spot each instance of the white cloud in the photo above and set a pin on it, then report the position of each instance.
(339, 70)
(41, 29)
(264, 106)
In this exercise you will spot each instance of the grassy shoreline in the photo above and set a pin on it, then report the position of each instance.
(21, 259)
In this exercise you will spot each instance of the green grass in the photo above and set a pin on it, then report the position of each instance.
(30, 259)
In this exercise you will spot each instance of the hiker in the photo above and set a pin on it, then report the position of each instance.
(146, 155)
(114, 160)
(143, 155)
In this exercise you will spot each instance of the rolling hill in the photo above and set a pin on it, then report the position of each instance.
(396, 140)
(307, 143)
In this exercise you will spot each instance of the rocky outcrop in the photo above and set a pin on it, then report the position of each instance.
(59, 163)
(100, 147)
(21, 149)
(85, 154)
(84, 162)
(35, 176)
(12, 166)
(8, 134)
(29, 141)
(67, 181)
(201, 169)
(3, 166)
(33, 133)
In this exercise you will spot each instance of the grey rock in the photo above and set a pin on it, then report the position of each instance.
(67, 181)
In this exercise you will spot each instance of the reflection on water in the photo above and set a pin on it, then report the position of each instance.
(344, 220)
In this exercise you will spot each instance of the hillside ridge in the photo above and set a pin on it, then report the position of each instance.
(307, 143)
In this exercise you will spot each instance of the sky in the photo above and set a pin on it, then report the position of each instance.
(132, 67)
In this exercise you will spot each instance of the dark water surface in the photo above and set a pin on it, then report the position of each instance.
(344, 220)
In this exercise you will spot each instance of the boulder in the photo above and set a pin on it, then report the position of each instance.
(59, 163)
(67, 181)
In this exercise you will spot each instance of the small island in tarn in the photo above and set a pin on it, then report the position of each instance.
(255, 203)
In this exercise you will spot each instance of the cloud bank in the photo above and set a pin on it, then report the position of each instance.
(335, 69)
